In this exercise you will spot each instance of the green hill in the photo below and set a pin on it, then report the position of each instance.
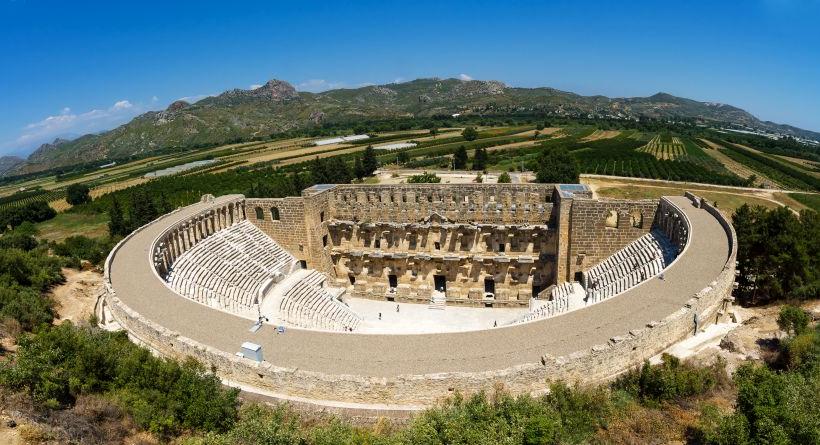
(277, 106)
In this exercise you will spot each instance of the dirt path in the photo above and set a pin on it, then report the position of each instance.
(601, 186)
(736, 167)
(75, 299)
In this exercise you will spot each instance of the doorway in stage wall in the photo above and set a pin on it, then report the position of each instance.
(489, 286)
(440, 283)
(393, 281)
(536, 289)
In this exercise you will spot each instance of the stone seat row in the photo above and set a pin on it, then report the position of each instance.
(629, 281)
(227, 269)
(650, 247)
(309, 305)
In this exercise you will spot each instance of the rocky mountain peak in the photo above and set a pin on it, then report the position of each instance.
(276, 90)
(177, 105)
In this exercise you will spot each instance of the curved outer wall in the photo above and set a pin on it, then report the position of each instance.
(598, 363)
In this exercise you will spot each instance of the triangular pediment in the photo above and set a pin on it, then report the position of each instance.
(436, 218)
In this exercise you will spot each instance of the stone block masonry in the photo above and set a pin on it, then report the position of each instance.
(421, 369)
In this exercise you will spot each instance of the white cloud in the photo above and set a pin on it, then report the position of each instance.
(122, 105)
(317, 85)
(70, 123)
(464, 77)
(154, 99)
(255, 86)
(398, 80)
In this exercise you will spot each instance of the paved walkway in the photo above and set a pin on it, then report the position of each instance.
(389, 355)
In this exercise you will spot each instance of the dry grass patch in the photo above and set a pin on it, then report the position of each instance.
(600, 134)
(727, 202)
(92, 225)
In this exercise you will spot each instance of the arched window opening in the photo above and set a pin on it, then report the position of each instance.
(636, 218)
(274, 213)
(611, 219)
(260, 214)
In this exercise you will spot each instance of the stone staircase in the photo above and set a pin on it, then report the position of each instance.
(438, 301)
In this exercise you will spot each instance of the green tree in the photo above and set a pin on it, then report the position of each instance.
(403, 157)
(504, 178)
(793, 320)
(778, 254)
(460, 158)
(319, 171)
(142, 209)
(116, 220)
(369, 161)
(77, 194)
(358, 168)
(338, 171)
(556, 166)
(469, 134)
(480, 159)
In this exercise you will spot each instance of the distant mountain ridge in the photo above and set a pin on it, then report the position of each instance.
(277, 106)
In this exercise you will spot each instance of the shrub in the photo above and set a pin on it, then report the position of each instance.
(84, 248)
(801, 351)
(424, 178)
(671, 380)
(793, 320)
(34, 212)
(57, 365)
(504, 178)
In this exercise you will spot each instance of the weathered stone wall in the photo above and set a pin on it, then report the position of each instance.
(289, 230)
(463, 203)
(600, 227)
(598, 363)
(363, 234)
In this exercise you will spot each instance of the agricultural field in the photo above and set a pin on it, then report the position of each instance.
(664, 146)
(625, 153)
(786, 175)
(727, 198)
(811, 201)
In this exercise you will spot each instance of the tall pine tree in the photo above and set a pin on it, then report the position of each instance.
(358, 168)
(460, 158)
(369, 161)
(116, 224)
(480, 159)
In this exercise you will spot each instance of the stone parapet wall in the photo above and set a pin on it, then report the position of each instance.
(473, 203)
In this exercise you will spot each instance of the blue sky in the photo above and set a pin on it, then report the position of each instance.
(68, 68)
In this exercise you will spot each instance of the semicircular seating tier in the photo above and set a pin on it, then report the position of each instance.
(639, 261)
(228, 269)
(302, 299)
